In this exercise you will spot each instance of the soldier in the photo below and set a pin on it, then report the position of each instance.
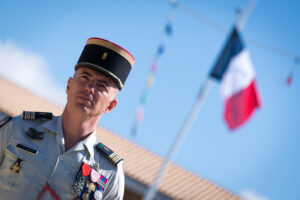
(59, 157)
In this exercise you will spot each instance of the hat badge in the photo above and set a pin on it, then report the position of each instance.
(104, 55)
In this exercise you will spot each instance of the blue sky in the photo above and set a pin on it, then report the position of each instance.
(40, 42)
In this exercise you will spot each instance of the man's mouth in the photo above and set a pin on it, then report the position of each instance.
(86, 99)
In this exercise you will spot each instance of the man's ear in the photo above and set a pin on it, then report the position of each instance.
(111, 105)
(68, 84)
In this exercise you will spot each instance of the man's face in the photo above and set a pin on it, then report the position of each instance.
(91, 92)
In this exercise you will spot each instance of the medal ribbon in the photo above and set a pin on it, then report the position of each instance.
(47, 187)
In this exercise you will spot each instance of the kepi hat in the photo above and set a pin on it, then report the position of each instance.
(108, 58)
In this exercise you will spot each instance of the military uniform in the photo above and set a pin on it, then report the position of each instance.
(34, 165)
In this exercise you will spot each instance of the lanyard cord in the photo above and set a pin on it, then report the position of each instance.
(47, 187)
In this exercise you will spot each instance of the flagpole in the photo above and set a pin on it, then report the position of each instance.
(150, 193)
(241, 21)
(180, 138)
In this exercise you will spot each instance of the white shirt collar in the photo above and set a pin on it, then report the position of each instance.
(55, 126)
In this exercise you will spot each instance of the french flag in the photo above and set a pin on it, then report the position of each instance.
(236, 73)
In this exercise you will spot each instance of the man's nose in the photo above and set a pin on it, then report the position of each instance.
(91, 86)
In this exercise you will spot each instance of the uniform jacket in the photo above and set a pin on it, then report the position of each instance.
(27, 164)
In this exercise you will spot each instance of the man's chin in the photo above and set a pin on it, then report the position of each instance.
(84, 107)
(87, 110)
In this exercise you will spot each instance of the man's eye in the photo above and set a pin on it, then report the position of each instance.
(83, 77)
(101, 86)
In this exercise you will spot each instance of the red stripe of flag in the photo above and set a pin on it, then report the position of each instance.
(240, 106)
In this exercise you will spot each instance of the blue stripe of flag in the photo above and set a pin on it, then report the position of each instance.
(233, 47)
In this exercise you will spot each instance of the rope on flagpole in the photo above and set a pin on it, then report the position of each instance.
(203, 18)
(224, 30)
(150, 193)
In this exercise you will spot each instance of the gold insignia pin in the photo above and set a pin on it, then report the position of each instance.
(15, 168)
(104, 55)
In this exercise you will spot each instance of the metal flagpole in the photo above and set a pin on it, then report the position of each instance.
(180, 137)
(241, 21)
(149, 195)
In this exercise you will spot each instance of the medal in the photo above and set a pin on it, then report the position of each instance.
(94, 176)
(85, 169)
(88, 190)
(79, 185)
(103, 179)
(81, 178)
(89, 183)
(85, 196)
(100, 188)
(90, 186)
(97, 195)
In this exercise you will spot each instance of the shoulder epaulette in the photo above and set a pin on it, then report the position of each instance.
(36, 115)
(4, 119)
(112, 156)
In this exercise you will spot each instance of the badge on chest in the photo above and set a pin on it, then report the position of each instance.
(89, 184)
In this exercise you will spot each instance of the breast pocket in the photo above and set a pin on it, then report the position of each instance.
(20, 164)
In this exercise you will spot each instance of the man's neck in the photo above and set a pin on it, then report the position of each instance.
(76, 128)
